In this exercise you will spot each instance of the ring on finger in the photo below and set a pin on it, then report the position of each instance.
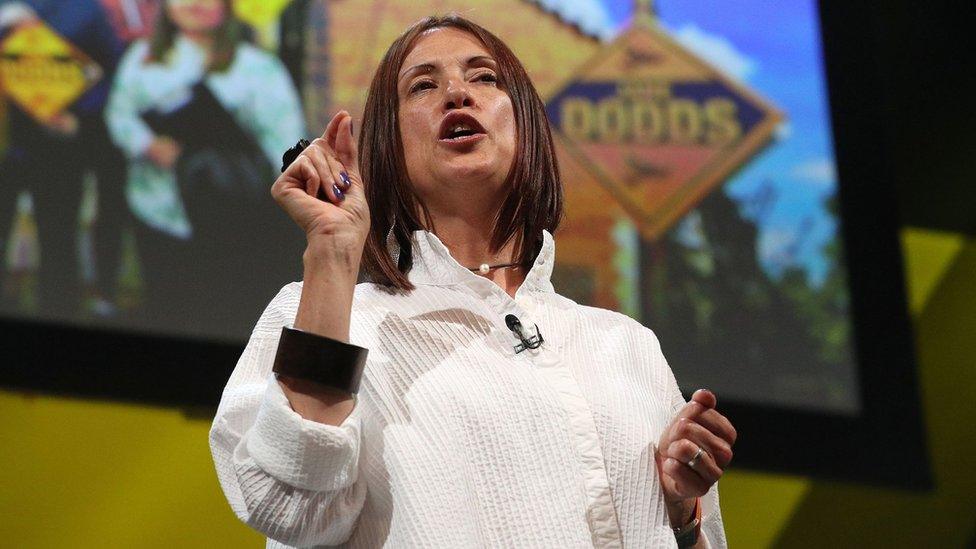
(694, 461)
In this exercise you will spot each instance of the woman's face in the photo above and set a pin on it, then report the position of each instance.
(456, 124)
(196, 16)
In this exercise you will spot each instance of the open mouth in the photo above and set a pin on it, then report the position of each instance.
(460, 128)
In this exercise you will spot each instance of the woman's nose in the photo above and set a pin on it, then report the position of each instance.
(457, 96)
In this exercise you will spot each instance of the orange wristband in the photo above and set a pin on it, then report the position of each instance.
(687, 535)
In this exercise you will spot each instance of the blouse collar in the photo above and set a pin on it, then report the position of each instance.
(434, 265)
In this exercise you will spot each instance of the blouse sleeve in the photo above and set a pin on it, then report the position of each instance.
(712, 527)
(125, 125)
(292, 479)
(275, 107)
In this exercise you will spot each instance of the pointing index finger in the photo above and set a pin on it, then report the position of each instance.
(347, 149)
(332, 130)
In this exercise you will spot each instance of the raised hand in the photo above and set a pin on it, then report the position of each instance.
(322, 191)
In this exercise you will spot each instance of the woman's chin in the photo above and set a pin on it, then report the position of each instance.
(461, 169)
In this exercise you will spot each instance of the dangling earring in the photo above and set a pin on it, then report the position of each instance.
(392, 245)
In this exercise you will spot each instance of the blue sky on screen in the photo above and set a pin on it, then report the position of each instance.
(775, 49)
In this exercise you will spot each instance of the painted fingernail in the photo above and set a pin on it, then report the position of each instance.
(345, 179)
(350, 126)
(338, 193)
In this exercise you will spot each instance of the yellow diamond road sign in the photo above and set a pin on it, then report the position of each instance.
(43, 72)
(657, 126)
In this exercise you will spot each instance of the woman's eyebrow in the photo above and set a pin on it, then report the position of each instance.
(481, 59)
(433, 66)
(423, 67)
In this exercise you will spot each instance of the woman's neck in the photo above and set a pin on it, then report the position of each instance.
(468, 241)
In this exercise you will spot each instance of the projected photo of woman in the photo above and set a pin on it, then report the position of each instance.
(454, 398)
(203, 116)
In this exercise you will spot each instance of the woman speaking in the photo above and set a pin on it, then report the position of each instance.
(454, 399)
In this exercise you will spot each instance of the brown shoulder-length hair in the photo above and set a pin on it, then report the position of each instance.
(226, 38)
(535, 198)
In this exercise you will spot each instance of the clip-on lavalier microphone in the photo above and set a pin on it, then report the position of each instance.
(530, 342)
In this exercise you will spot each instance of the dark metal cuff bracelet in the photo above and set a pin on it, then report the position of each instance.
(320, 359)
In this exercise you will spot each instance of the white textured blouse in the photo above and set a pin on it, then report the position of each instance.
(455, 439)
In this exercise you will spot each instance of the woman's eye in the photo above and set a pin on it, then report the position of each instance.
(422, 85)
(488, 77)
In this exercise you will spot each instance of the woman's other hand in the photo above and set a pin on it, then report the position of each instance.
(163, 152)
(322, 191)
(697, 425)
